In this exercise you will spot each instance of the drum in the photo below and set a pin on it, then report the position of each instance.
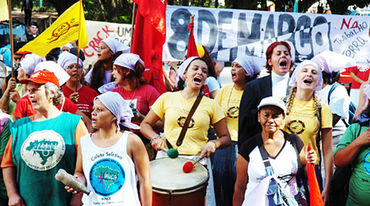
(171, 186)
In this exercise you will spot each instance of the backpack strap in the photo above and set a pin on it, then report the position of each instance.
(318, 138)
(266, 161)
(332, 90)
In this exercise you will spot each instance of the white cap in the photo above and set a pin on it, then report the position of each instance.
(271, 101)
(58, 71)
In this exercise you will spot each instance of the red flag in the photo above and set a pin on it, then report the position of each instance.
(149, 37)
(315, 194)
(192, 47)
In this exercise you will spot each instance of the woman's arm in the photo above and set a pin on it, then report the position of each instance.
(9, 174)
(327, 152)
(146, 128)
(141, 160)
(241, 180)
(363, 102)
(354, 77)
(345, 156)
(222, 141)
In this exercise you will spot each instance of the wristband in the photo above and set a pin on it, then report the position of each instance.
(155, 137)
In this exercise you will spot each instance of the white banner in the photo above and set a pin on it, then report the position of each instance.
(228, 33)
(97, 31)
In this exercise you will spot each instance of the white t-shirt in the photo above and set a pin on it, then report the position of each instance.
(284, 164)
(339, 105)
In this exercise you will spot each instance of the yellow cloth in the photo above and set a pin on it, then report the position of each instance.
(304, 123)
(174, 108)
(4, 13)
(68, 27)
(229, 100)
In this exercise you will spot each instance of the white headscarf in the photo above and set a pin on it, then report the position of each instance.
(248, 65)
(65, 59)
(119, 108)
(55, 68)
(184, 66)
(115, 45)
(69, 45)
(128, 60)
(331, 62)
(29, 63)
(293, 79)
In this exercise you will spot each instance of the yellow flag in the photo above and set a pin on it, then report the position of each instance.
(68, 27)
(4, 14)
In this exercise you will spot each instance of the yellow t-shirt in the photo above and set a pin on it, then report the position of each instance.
(304, 123)
(174, 108)
(229, 100)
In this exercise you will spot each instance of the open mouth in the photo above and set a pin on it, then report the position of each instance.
(283, 63)
(233, 75)
(307, 81)
(198, 80)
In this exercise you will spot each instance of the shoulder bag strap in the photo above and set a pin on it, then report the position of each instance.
(266, 161)
(188, 118)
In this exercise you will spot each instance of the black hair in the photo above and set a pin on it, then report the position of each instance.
(34, 24)
(53, 55)
(330, 78)
(74, 51)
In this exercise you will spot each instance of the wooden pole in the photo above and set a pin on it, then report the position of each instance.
(134, 10)
(11, 36)
(78, 42)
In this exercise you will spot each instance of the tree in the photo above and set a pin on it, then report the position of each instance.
(341, 6)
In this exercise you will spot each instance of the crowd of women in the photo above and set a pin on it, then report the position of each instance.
(106, 125)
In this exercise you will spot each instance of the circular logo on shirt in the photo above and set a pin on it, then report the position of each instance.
(43, 150)
(107, 177)
(181, 121)
(233, 112)
(296, 126)
(367, 163)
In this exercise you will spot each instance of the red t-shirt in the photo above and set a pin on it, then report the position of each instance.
(85, 100)
(24, 107)
(140, 99)
(362, 74)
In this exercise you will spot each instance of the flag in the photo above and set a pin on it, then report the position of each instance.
(68, 27)
(315, 194)
(192, 47)
(295, 6)
(4, 13)
(149, 37)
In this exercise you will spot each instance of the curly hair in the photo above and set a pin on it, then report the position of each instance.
(51, 88)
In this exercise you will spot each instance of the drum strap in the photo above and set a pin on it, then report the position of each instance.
(187, 121)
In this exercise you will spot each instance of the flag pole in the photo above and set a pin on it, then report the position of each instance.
(11, 36)
(78, 42)
(134, 10)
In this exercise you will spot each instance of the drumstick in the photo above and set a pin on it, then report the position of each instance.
(71, 181)
(171, 153)
(189, 166)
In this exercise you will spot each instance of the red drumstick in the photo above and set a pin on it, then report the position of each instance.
(189, 166)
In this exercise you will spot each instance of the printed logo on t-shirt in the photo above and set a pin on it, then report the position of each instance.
(43, 150)
(107, 177)
(296, 126)
(233, 112)
(367, 162)
(181, 122)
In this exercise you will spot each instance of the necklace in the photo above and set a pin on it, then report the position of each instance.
(130, 103)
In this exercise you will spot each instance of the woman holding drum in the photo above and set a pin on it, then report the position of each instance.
(174, 108)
